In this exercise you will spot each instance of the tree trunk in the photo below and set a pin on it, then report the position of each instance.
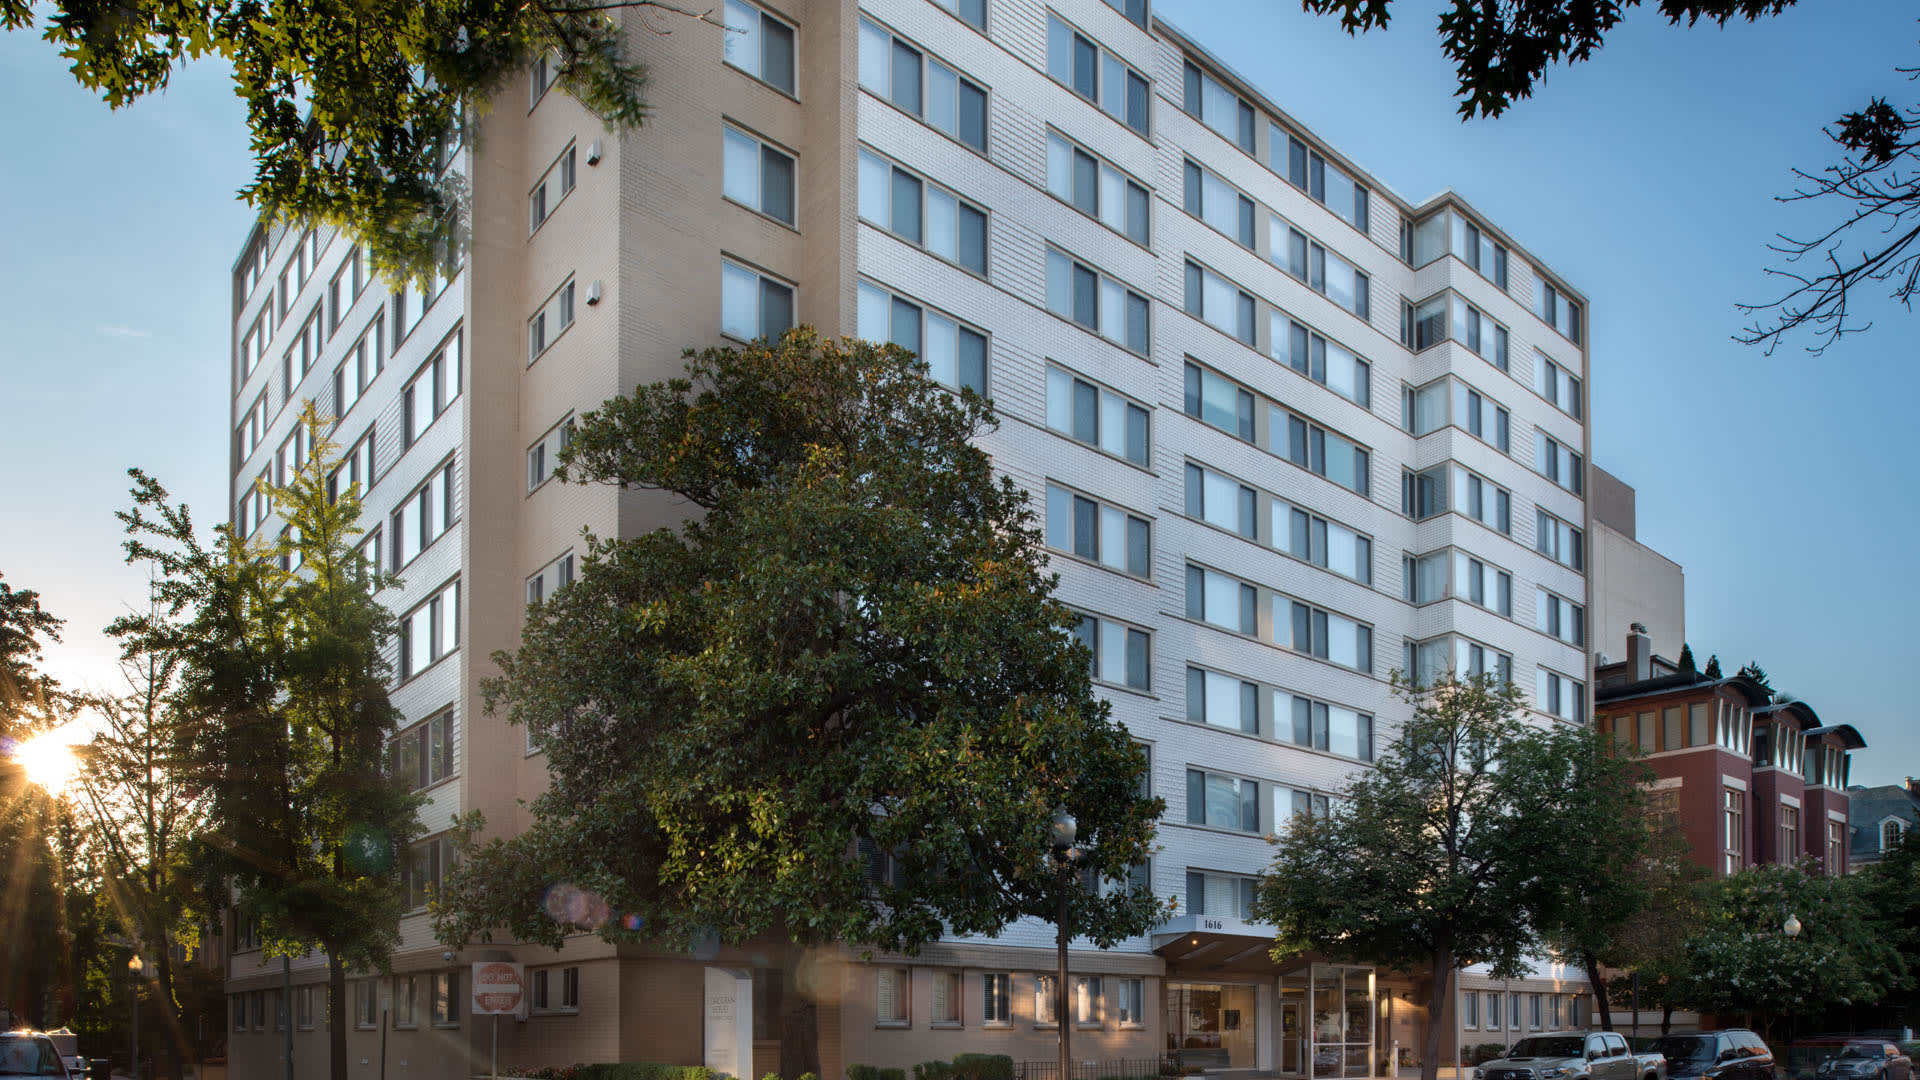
(336, 1017)
(1666, 1018)
(1437, 1001)
(170, 1013)
(1599, 992)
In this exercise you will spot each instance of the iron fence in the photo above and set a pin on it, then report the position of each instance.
(1120, 1069)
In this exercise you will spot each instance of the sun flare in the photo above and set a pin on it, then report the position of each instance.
(48, 759)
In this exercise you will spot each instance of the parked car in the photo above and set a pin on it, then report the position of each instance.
(1573, 1055)
(1867, 1059)
(1732, 1054)
(30, 1053)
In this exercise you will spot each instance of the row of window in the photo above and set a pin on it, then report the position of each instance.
(1268, 520)
(432, 996)
(1542, 1012)
(991, 1002)
(1227, 701)
(1229, 603)
(1222, 801)
(1225, 404)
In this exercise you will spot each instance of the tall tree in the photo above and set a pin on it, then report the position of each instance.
(28, 696)
(1687, 662)
(1444, 854)
(280, 644)
(353, 109)
(1501, 52)
(1752, 670)
(1891, 890)
(1713, 667)
(853, 650)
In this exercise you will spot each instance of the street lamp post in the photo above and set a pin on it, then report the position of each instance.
(1065, 829)
(134, 965)
(1791, 927)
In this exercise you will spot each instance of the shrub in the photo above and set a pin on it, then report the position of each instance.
(871, 1072)
(1486, 1052)
(642, 1070)
(933, 1070)
(982, 1067)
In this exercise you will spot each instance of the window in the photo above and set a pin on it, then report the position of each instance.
(1106, 534)
(1229, 895)
(546, 72)
(1089, 1007)
(366, 1003)
(1428, 662)
(1328, 363)
(356, 468)
(1533, 1012)
(955, 354)
(544, 456)
(1219, 204)
(1223, 701)
(1558, 540)
(756, 175)
(1323, 452)
(1447, 315)
(433, 389)
(1097, 75)
(1562, 618)
(1790, 834)
(1225, 602)
(1553, 382)
(1323, 271)
(996, 999)
(292, 455)
(1046, 1001)
(1226, 802)
(253, 265)
(430, 631)
(1209, 101)
(1836, 862)
(1513, 1015)
(445, 991)
(922, 213)
(1219, 302)
(1460, 576)
(1096, 416)
(1450, 401)
(1220, 500)
(363, 364)
(1220, 402)
(257, 1004)
(301, 353)
(1095, 187)
(1563, 697)
(345, 287)
(753, 305)
(890, 996)
(427, 862)
(304, 1014)
(1332, 728)
(1556, 462)
(972, 12)
(411, 302)
(554, 186)
(555, 990)
(1323, 634)
(1078, 292)
(1555, 309)
(1322, 542)
(1734, 813)
(1129, 996)
(1493, 1011)
(423, 754)
(552, 320)
(423, 516)
(946, 998)
(1450, 231)
(279, 1000)
(759, 44)
(1470, 1008)
(406, 1001)
(1323, 181)
(1553, 1010)
(253, 344)
(1889, 831)
(923, 85)
(1121, 653)
(551, 579)
(252, 429)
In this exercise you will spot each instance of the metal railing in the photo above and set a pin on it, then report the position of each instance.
(1122, 1069)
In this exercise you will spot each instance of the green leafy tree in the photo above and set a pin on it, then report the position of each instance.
(1713, 667)
(1743, 961)
(1444, 854)
(280, 667)
(1891, 890)
(354, 108)
(1652, 941)
(852, 650)
(1502, 51)
(29, 697)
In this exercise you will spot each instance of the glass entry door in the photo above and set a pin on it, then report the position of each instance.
(1340, 1029)
(1293, 1032)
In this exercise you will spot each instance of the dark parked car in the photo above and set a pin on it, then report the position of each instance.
(1733, 1054)
(1867, 1059)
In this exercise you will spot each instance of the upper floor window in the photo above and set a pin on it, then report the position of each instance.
(1337, 730)
(1134, 10)
(253, 344)
(555, 184)
(1221, 500)
(1223, 701)
(1556, 384)
(1326, 183)
(544, 456)
(1079, 292)
(759, 44)
(971, 12)
(253, 265)
(423, 516)
(1208, 893)
(955, 353)
(1427, 662)
(1563, 697)
(1327, 635)
(1208, 100)
(1450, 401)
(422, 755)
(1097, 416)
(1448, 315)
(1122, 654)
(1101, 532)
(345, 287)
(1096, 187)
(553, 319)
(1448, 487)
(1323, 271)
(1558, 540)
(1222, 801)
(1225, 602)
(252, 429)
(757, 175)
(1096, 74)
(922, 213)
(1219, 302)
(1324, 452)
(1219, 204)
(1457, 575)
(1564, 619)
(1557, 462)
(362, 364)
(551, 578)
(432, 390)
(1556, 309)
(923, 85)
(1449, 230)
(1328, 363)
(753, 305)
(1219, 401)
(545, 72)
(355, 468)
(430, 631)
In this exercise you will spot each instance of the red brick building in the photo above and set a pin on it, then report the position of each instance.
(1749, 780)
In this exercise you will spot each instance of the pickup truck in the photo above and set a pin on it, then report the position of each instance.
(1574, 1055)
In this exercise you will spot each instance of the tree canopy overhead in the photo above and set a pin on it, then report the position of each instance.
(839, 705)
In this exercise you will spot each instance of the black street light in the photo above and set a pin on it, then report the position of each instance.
(1065, 830)
(134, 966)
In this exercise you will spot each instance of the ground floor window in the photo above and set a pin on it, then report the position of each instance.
(1211, 1024)
(1129, 996)
(996, 998)
(446, 998)
(890, 996)
(946, 997)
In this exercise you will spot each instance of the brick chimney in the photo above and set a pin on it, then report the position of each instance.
(1639, 653)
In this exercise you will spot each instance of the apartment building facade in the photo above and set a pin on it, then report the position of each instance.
(1288, 430)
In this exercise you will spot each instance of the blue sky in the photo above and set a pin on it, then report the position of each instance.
(1647, 177)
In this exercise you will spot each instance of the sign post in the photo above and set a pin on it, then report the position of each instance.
(498, 988)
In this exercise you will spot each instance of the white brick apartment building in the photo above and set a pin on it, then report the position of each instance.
(1289, 431)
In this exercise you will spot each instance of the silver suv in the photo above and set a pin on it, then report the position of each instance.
(1566, 1055)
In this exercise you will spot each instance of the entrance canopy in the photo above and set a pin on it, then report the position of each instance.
(1216, 944)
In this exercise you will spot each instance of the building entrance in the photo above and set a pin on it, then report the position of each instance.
(1335, 1008)
(1212, 1025)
